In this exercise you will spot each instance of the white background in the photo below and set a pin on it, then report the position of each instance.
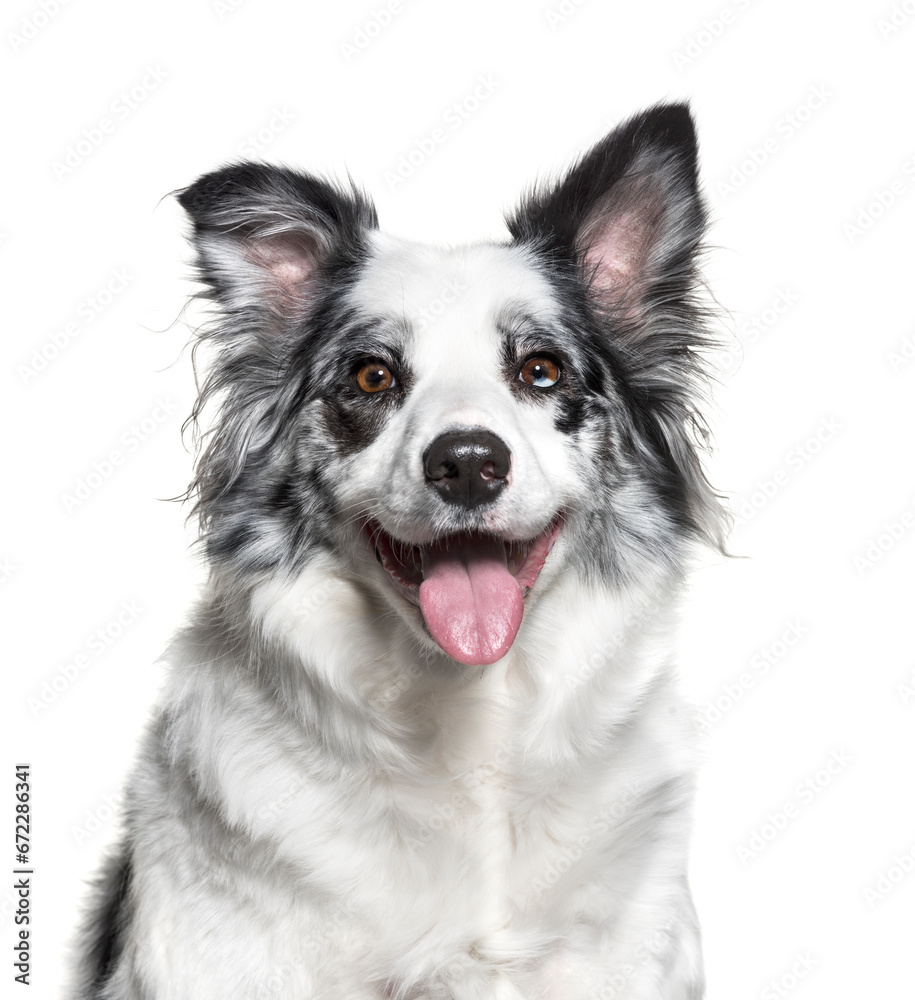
(805, 113)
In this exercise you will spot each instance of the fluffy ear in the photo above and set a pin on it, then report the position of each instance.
(627, 223)
(263, 235)
(628, 215)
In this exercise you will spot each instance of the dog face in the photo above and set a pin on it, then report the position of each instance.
(459, 427)
(464, 485)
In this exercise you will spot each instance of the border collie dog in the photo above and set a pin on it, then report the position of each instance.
(422, 738)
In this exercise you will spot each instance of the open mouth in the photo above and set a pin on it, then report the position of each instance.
(470, 587)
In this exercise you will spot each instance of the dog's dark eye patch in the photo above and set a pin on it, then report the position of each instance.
(337, 339)
(533, 365)
(354, 424)
(579, 394)
(370, 366)
(370, 382)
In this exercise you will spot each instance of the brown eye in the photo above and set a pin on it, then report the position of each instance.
(539, 372)
(374, 377)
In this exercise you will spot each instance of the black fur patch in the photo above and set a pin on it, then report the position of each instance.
(353, 418)
(110, 922)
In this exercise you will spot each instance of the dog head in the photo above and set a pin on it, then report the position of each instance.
(459, 427)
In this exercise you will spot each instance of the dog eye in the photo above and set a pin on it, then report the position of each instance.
(539, 372)
(374, 376)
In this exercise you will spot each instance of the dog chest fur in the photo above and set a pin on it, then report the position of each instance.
(507, 829)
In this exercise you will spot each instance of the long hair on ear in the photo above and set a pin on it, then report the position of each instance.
(626, 224)
(265, 238)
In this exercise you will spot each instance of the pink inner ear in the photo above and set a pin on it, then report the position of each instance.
(617, 242)
(288, 260)
(289, 274)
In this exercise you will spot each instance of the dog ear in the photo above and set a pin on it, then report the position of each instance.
(627, 223)
(263, 234)
(628, 216)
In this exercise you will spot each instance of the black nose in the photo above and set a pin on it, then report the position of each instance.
(467, 467)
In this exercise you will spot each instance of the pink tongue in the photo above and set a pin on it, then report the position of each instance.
(470, 602)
